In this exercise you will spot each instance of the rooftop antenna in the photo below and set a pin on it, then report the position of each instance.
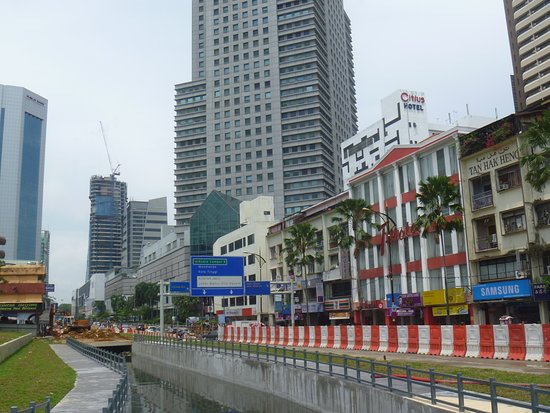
(114, 171)
(496, 113)
(467, 110)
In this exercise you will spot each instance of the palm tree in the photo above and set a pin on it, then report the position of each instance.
(302, 250)
(436, 196)
(352, 213)
(535, 152)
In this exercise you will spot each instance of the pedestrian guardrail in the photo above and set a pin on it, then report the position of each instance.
(443, 389)
(34, 407)
(113, 361)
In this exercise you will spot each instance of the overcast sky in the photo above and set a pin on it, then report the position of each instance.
(118, 61)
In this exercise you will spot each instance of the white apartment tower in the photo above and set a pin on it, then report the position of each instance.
(271, 99)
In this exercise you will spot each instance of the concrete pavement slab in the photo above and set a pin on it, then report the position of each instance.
(94, 383)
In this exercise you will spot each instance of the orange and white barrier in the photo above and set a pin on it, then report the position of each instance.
(423, 339)
(513, 342)
(383, 338)
(501, 342)
(459, 341)
(447, 339)
(534, 342)
(402, 339)
(472, 341)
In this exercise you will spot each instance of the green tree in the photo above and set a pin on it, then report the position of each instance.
(351, 213)
(123, 307)
(99, 309)
(535, 152)
(145, 298)
(187, 306)
(438, 198)
(65, 308)
(146, 294)
(302, 250)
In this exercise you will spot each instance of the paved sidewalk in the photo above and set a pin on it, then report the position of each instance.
(94, 383)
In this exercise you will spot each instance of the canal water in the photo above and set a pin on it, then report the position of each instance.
(195, 393)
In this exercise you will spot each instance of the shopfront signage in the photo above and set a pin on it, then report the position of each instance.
(460, 309)
(338, 304)
(20, 307)
(437, 297)
(494, 159)
(403, 305)
(411, 101)
(405, 300)
(541, 292)
(502, 290)
(375, 304)
(339, 316)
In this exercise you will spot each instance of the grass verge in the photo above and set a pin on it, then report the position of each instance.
(6, 336)
(32, 374)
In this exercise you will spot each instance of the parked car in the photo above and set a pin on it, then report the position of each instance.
(140, 327)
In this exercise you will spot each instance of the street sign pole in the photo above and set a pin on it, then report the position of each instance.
(162, 310)
(292, 301)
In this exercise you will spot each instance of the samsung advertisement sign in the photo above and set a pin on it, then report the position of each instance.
(502, 290)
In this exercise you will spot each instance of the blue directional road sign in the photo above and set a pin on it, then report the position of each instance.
(257, 287)
(217, 276)
(179, 286)
(49, 288)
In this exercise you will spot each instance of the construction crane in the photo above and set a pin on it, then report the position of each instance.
(114, 171)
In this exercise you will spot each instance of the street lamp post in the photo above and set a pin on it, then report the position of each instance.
(262, 261)
(387, 240)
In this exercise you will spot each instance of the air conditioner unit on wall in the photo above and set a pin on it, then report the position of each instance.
(520, 274)
(503, 186)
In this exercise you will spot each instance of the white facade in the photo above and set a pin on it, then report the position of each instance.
(249, 241)
(404, 121)
(22, 146)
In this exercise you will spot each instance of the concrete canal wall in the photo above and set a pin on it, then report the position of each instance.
(316, 392)
(7, 349)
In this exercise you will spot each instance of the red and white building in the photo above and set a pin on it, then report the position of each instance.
(408, 265)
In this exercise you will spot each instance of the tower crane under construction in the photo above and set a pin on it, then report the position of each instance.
(116, 170)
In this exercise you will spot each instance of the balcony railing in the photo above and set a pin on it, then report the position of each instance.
(487, 242)
(482, 200)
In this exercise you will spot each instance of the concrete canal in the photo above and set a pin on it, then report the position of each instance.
(191, 392)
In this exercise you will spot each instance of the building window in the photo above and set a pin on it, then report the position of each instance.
(509, 177)
(482, 195)
(513, 221)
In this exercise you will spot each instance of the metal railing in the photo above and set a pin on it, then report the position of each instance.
(114, 362)
(34, 407)
(453, 390)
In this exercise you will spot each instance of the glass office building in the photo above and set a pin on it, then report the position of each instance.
(23, 117)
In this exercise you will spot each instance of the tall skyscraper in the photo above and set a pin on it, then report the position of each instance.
(528, 30)
(142, 223)
(108, 201)
(22, 146)
(272, 98)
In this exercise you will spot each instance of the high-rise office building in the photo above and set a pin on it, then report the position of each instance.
(142, 223)
(107, 204)
(529, 33)
(272, 97)
(22, 146)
